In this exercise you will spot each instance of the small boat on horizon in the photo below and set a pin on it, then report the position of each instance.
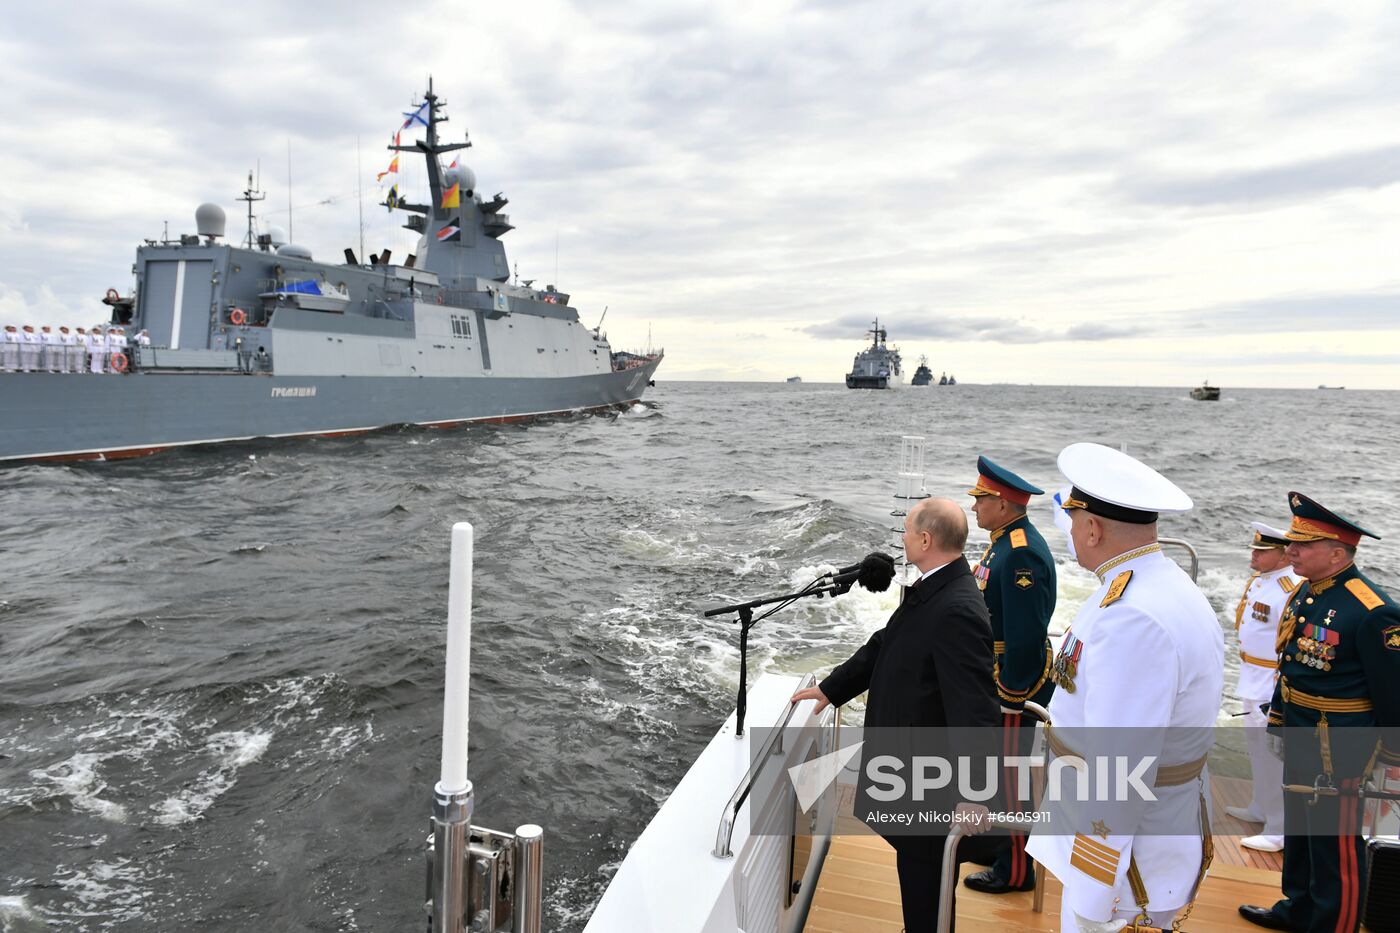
(1205, 392)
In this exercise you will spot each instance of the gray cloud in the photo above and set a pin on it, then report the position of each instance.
(1367, 169)
(1006, 330)
(1338, 311)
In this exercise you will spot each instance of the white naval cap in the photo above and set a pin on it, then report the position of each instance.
(1111, 484)
(1267, 537)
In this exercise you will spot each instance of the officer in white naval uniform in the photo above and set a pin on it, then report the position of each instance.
(50, 342)
(1145, 651)
(60, 352)
(29, 349)
(77, 351)
(9, 350)
(1256, 624)
(97, 350)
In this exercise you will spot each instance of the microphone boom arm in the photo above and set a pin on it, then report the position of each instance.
(835, 586)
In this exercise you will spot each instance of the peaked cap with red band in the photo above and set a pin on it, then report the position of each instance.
(993, 480)
(1312, 522)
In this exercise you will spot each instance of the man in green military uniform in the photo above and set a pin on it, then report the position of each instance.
(1337, 698)
(1017, 578)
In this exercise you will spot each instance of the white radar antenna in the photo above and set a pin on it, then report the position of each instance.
(908, 489)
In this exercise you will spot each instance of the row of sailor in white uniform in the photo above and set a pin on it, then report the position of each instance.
(81, 350)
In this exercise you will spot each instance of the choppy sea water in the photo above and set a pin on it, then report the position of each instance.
(221, 670)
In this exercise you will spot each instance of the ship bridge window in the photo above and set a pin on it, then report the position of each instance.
(461, 326)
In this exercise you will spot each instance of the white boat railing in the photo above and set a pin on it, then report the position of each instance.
(771, 747)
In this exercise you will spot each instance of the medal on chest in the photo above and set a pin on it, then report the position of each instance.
(1066, 666)
(1317, 646)
(982, 573)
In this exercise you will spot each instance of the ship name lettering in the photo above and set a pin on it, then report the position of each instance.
(293, 391)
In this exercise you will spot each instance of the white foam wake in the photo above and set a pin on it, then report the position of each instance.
(233, 750)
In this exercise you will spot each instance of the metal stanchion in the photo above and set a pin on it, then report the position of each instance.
(452, 818)
(529, 879)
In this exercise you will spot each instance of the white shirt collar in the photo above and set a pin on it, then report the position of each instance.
(924, 576)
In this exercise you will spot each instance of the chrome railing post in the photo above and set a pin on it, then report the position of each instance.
(452, 818)
(529, 879)
(1182, 543)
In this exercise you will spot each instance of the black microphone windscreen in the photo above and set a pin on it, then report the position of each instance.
(876, 572)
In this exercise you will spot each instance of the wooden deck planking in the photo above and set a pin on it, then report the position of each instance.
(1236, 792)
(858, 891)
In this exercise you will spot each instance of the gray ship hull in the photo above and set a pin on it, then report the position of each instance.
(66, 416)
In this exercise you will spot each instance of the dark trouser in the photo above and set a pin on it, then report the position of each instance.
(1324, 861)
(1012, 864)
(919, 881)
(921, 877)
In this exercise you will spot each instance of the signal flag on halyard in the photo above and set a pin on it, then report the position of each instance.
(449, 233)
(391, 200)
(452, 197)
(393, 169)
(415, 117)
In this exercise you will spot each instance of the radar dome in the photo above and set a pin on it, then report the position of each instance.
(293, 251)
(462, 174)
(209, 220)
(276, 236)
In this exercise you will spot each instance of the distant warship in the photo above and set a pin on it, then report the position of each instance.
(923, 375)
(1205, 392)
(260, 340)
(877, 366)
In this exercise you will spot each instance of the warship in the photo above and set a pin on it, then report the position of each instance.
(923, 375)
(877, 366)
(262, 340)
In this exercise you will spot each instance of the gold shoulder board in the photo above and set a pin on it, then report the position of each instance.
(1018, 537)
(1288, 583)
(1361, 591)
(1116, 590)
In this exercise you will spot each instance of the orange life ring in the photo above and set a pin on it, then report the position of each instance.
(237, 317)
(119, 362)
(113, 295)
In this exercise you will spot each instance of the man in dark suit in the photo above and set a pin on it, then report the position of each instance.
(926, 668)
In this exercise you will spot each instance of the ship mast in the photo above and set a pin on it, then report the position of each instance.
(250, 195)
(431, 149)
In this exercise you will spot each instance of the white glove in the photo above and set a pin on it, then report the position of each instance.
(1099, 926)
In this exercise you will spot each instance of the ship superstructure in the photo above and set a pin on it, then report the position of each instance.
(877, 366)
(264, 340)
(923, 375)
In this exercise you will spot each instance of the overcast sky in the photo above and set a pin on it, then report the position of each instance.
(1024, 192)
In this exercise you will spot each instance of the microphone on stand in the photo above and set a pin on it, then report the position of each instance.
(875, 572)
